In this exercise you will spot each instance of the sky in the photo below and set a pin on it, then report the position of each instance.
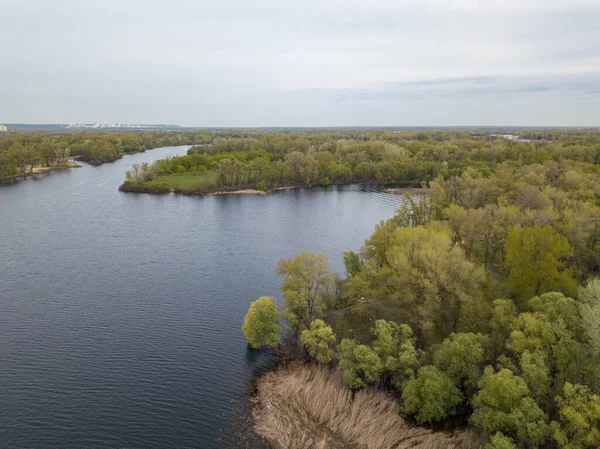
(227, 63)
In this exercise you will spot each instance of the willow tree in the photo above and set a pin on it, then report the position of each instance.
(415, 276)
(261, 325)
(320, 341)
(307, 286)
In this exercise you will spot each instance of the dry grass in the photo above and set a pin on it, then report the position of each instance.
(309, 408)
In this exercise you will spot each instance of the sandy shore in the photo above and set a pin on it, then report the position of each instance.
(39, 170)
(241, 192)
(256, 192)
(59, 167)
(403, 190)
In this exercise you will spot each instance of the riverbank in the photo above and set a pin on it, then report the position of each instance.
(403, 190)
(203, 189)
(302, 407)
(40, 170)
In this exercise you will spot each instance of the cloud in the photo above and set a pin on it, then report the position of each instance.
(238, 62)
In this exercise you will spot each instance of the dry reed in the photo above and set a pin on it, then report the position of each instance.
(308, 407)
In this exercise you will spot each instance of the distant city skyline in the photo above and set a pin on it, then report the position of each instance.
(313, 63)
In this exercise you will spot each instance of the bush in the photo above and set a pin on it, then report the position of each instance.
(199, 189)
(143, 188)
(430, 395)
(180, 169)
(261, 185)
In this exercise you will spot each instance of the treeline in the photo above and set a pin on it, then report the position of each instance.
(20, 153)
(278, 159)
(478, 305)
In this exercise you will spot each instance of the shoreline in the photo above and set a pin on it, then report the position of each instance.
(40, 170)
(241, 192)
(403, 190)
(158, 190)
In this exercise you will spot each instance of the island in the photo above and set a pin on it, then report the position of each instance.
(264, 161)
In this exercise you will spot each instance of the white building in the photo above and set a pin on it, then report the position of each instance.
(3, 128)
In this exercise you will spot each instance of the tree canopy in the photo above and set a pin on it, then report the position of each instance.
(261, 325)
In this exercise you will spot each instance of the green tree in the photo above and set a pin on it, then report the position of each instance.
(460, 357)
(378, 244)
(579, 415)
(589, 307)
(430, 395)
(532, 332)
(360, 365)
(352, 263)
(395, 346)
(414, 276)
(320, 341)
(261, 185)
(558, 308)
(503, 405)
(537, 376)
(261, 324)
(307, 286)
(536, 260)
(500, 441)
(504, 314)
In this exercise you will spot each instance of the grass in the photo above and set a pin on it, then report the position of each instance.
(186, 180)
(304, 407)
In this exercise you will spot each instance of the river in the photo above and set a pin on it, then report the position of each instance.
(120, 314)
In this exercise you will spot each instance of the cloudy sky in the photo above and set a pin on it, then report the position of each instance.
(301, 62)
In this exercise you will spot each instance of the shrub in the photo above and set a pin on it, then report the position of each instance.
(261, 185)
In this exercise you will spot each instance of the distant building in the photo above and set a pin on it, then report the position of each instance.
(3, 129)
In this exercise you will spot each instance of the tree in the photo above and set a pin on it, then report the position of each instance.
(504, 314)
(360, 365)
(558, 308)
(415, 276)
(261, 325)
(414, 211)
(579, 415)
(303, 167)
(500, 441)
(536, 260)
(430, 395)
(352, 263)
(536, 375)
(532, 332)
(377, 246)
(320, 341)
(503, 405)
(460, 357)
(395, 346)
(306, 287)
(589, 307)
(468, 227)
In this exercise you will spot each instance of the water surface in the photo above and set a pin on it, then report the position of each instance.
(120, 314)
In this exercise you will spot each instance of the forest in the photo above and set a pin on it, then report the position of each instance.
(268, 160)
(477, 304)
(21, 152)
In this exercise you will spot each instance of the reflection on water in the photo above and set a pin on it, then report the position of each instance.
(120, 314)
